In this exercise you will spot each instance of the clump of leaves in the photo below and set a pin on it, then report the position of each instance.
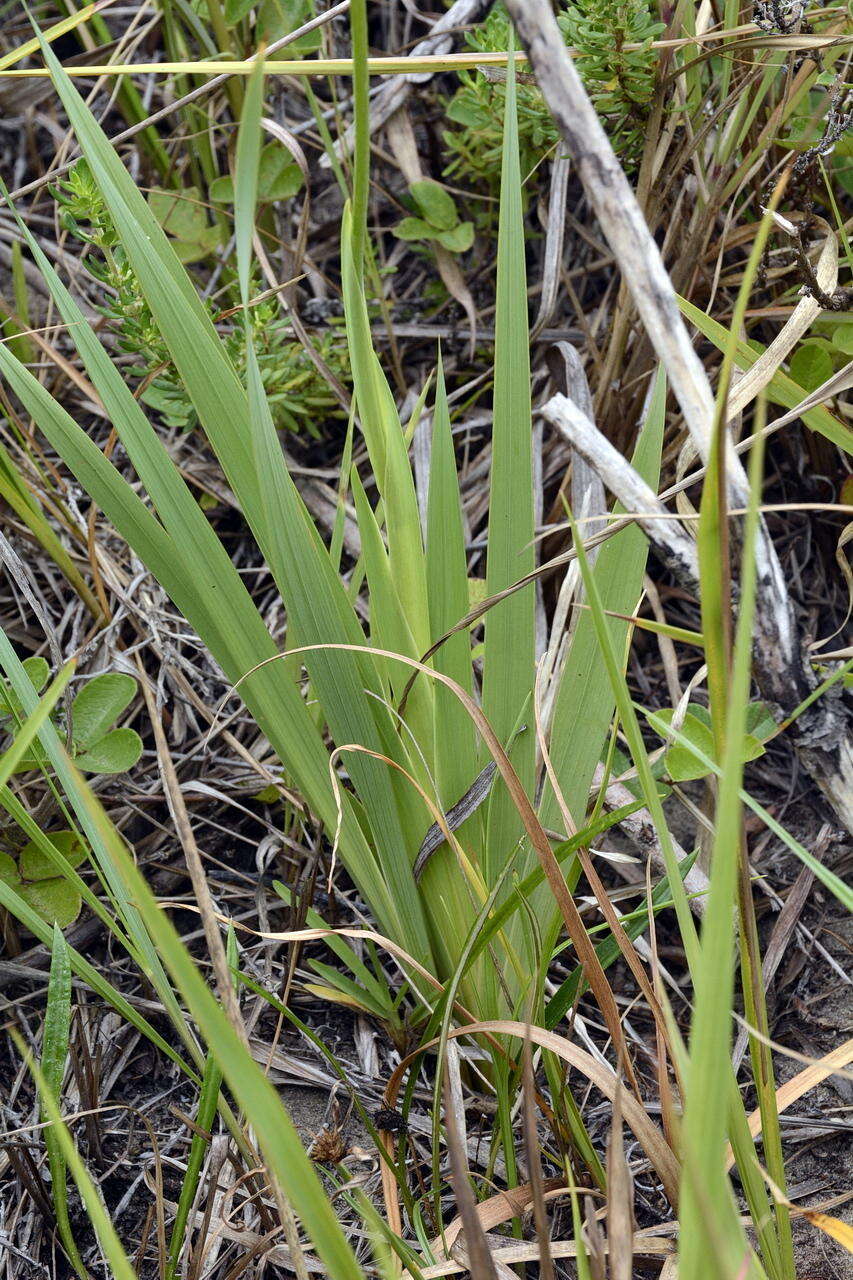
(297, 393)
(477, 111)
(36, 878)
(438, 219)
(82, 208)
(279, 178)
(96, 746)
(829, 347)
(683, 760)
(619, 80)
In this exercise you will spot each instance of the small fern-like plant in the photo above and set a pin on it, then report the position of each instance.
(297, 393)
(477, 109)
(620, 80)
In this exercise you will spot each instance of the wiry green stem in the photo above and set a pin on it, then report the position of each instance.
(361, 153)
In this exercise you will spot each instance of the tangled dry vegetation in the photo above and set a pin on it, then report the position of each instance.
(412, 862)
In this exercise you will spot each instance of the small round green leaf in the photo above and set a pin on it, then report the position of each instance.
(279, 178)
(236, 10)
(436, 205)
(194, 250)
(752, 748)
(116, 752)
(180, 214)
(184, 216)
(810, 366)
(99, 704)
(759, 721)
(459, 239)
(414, 229)
(221, 190)
(698, 712)
(38, 671)
(277, 18)
(36, 865)
(56, 901)
(9, 873)
(842, 339)
(682, 764)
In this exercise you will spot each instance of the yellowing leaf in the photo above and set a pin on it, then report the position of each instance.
(841, 1232)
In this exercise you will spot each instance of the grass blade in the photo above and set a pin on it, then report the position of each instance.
(584, 705)
(54, 1056)
(16, 906)
(145, 953)
(321, 614)
(117, 1260)
(184, 323)
(277, 1136)
(447, 585)
(509, 649)
(386, 446)
(183, 552)
(246, 176)
(205, 1116)
(708, 1213)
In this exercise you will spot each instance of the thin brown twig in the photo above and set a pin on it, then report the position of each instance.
(201, 889)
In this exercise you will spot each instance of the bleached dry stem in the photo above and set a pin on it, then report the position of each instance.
(820, 735)
(642, 267)
(588, 500)
(640, 827)
(676, 548)
(617, 211)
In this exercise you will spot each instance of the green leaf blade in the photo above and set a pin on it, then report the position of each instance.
(509, 651)
(447, 584)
